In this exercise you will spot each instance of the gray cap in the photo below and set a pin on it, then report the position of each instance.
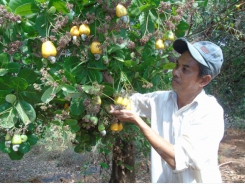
(204, 52)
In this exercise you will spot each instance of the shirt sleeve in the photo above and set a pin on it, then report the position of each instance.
(141, 104)
(198, 145)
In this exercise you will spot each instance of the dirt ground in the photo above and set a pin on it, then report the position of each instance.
(70, 167)
(232, 156)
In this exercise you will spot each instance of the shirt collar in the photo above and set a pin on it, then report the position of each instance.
(197, 100)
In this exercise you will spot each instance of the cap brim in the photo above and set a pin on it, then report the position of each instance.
(181, 45)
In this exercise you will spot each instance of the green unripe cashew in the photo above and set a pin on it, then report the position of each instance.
(10, 98)
(51, 10)
(7, 137)
(16, 139)
(24, 138)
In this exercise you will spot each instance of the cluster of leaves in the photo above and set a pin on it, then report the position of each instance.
(129, 62)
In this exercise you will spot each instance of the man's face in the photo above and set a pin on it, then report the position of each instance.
(185, 76)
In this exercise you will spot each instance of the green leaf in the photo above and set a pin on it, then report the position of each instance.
(79, 148)
(31, 95)
(68, 88)
(130, 63)
(28, 26)
(203, 3)
(134, 9)
(120, 56)
(4, 59)
(181, 29)
(108, 89)
(2, 146)
(145, 7)
(146, 23)
(18, 84)
(169, 66)
(88, 89)
(104, 165)
(4, 83)
(28, 109)
(29, 75)
(41, 1)
(128, 167)
(5, 106)
(69, 77)
(95, 76)
(116, 47)
(41, 25)
(24, 147)
(13, 67)
(3, 71)
(23, 116)
(104, 150)
(77, 108)
(49, 94)
(75, 95)
(97, 65)
(59, 5)
(15, 155)
(55, 122)
(27, 9)
(70, 122)
(74, 128)
(71, 63)
(146, 53)
(8, 119)
(85, 137)
(14, 4)
(3, 94)
(32, 139)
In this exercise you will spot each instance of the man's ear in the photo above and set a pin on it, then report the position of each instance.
(205, 80)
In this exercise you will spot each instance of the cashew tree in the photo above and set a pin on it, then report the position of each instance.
(64, 63)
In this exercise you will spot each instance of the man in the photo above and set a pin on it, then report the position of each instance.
(187, 125)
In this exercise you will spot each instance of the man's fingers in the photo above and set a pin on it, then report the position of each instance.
(112, 108)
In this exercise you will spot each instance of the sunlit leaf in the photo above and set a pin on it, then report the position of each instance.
(27, 9)
(59, 5)
(49, 94)
(8, 119)
(3, 71)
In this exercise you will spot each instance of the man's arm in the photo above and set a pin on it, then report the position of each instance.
(162, 147)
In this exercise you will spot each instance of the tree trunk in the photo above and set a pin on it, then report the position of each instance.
(123, 162)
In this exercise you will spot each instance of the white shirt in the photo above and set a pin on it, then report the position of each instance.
(195, 130)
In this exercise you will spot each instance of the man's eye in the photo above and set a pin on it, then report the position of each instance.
(185, 70)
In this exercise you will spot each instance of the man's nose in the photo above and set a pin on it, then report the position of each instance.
(175, 72)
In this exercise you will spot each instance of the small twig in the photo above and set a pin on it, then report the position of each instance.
(230, 162)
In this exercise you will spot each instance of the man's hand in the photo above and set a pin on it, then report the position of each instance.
(124, 115)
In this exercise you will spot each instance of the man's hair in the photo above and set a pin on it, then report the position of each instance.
(203, 70)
